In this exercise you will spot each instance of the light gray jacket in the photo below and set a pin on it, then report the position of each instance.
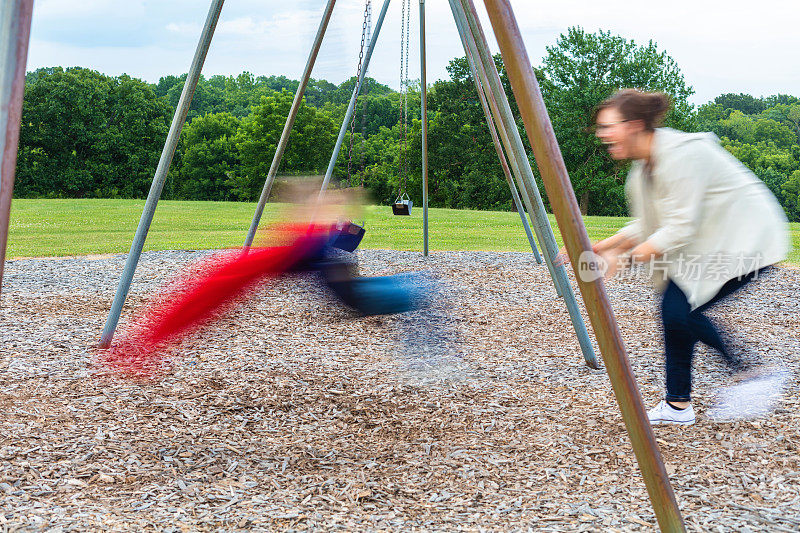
(712, 218)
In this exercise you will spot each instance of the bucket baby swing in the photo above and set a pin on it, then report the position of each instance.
(402, 204)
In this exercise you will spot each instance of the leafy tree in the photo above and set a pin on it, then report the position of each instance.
(60, 123)
(766, 141)
(745, 103)
(309, 148)
(465, 171)
(753, 129)
(761, 155)
(793, 117)
(206, 99)
(279, 83)
(239, 93)
(84, 134)
(709, 115)
(780, 99)
(580, 71)
(344, 91)
(317, 92)
(209, 158)
(165, 83)
(134, 131)
(791, 193)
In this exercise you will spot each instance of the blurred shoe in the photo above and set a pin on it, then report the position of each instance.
(755, 396)
(664, 413)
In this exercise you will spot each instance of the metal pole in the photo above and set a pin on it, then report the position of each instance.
(565, 207)
(287, 129)
(424, 118)
(470, 49)
(161, 173)
(506, 119)
(500, 153)
(15, 23)
(351, 107)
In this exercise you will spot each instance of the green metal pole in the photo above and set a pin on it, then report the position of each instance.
(161, 173)
(517, 151)
(15, 23)
(424, 118)
(565, 206)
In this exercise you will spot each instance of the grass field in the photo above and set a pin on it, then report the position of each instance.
(82, 227)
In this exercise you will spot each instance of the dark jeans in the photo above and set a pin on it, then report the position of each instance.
(683, 328)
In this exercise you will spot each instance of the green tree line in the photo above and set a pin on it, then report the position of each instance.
(85, 134)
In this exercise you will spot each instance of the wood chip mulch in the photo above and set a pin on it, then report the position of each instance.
(293, 414)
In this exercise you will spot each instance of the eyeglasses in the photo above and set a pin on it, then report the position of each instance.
(608, 125)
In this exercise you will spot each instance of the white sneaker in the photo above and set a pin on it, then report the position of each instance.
(664, 413)
(754, 397)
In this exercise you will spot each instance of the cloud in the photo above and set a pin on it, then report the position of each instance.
(90, 23)
(184, 28)
(719, 49)
(280, 26)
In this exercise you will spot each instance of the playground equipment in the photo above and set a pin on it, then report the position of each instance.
(545, 148)
(567, 212)
(206, 290)
(501, 116)
(402, 205)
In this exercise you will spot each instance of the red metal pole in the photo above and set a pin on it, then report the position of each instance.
(565, 207)
(16, 25)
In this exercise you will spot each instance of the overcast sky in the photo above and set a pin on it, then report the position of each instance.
(749, 47)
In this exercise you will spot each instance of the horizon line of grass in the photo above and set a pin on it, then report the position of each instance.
(67, 227)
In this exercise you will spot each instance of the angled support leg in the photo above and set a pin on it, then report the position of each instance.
(565, 206)
(161, 173)
(287, 129)
(474, 36)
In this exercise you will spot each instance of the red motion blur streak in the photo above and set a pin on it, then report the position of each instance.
(203, 293)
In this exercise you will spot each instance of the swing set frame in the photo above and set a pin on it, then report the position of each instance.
(15, 19)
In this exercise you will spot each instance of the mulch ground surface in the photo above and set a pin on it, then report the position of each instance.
(291, 413)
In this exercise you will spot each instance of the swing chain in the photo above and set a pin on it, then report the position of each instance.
(405, 38)
(364, 105)
(366, 27)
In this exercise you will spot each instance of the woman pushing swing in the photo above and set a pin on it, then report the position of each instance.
(705, 223)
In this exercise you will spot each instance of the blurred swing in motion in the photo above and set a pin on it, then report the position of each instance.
(216, 285)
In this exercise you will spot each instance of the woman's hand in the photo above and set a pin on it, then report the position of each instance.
(608, 257)
(611, 260)
(562, 259)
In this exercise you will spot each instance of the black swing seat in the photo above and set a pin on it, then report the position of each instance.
(402, 205)
(348, 236)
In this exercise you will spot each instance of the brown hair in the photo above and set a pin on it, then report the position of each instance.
(633, 104)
